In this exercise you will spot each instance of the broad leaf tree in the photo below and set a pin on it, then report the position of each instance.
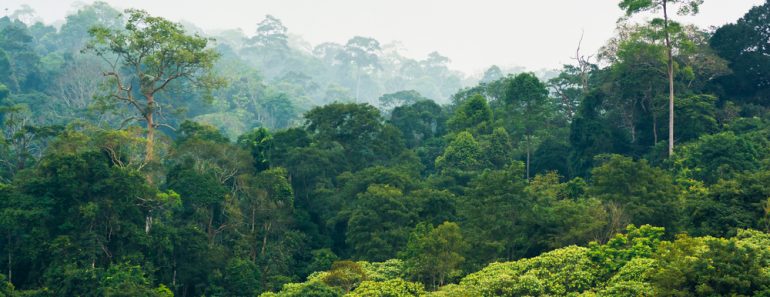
(686, 7)
(148, 56)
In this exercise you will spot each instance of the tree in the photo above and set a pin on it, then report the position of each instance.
(146, 58)
(271, 33)
(636, 242)
(124, 280)
(632, 7)
(24, 14)
(495, 212)
(744, 45)
(74, 32)
(646, 194)
(463, 154)
(419, 122)
(569, 88)
(389, 288)
(697, 116)
(527, 100)
(21, 64)
(561, 214)
(592, 134)
(433, 255)
(359, 129)
(472, 115)
(21, 218)
(346, 275)
(434, 206)
(721, 156)
(20, 140)
(6, 288)
(241, 277)
(260, 143)
(267, 207)
(563, 272)
(400, 98)
(363, 54)
(638, 75)
(379, 224)
(711, 267)
(498, 149)
(492, 74)
(739, 202)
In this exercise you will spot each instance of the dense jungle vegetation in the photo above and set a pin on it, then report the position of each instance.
(143, 157)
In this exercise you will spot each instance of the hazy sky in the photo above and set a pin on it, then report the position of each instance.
(474, 34)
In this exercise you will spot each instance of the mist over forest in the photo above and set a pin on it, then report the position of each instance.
(145, 157)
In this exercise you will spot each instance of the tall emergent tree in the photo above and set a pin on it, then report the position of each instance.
(148, 56)
(527, 100)
(686, 7)
(363, 53)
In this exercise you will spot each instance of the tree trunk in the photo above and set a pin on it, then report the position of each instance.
(10, 258)
(655, 128)
(173, 278)
(358, 83)
(253, 218)
(210, 227)
(148, 222)
(150, 145)
(267, 227)
(529, 154)
(670, 82)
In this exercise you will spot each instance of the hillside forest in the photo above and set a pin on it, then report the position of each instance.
(145, 157)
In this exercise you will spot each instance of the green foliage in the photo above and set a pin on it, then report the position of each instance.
(462, 154)
(731, 204)
(390, 288)
(401, 98)
(473, 115)
(711, 266)
(526, 91)
(490, 195)
(345, 275)
(192, 130)
(743, 45)
(561, 216)
(632, 279)
(696, 116)
(127, 280)
(433, 255)
(155, 54)
(419, 122)
(720, 156)
(6, 288)
(435, 206)
(498, 149)
(561, 272)
(260, 143)
(495, 212)
(383, 271)
(645, 194)
(241, 278)
(162, 48)
(322, 260)
(358, 128)
(309, 289)
(379, 223)
(641, 242)
(635, 6)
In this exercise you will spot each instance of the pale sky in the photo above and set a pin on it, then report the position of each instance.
(475, 34)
